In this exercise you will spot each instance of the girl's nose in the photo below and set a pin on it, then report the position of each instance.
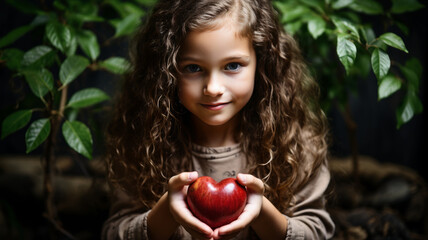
(214, 86)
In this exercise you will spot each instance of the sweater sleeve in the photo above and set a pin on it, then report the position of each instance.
(127, 219)
(310, 220)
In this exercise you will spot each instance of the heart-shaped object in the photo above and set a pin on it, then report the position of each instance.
(216, 204)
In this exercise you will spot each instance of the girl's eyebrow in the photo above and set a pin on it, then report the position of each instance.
(244, 58)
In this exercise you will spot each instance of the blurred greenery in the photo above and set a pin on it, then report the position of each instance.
(343, 47)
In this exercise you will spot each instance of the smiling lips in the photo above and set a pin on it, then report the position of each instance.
(214, 106)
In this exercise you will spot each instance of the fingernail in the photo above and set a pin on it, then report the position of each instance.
(243, 178)
(192, 175)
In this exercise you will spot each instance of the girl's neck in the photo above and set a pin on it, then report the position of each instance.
(213, 136)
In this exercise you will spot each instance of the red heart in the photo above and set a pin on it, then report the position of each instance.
(216, 204)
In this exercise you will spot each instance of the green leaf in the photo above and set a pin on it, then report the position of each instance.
(80, 12)
(368, 34)
(362, 64)
(293, 27)
(315, 4)
(71, 50)
(15, 121)
(59, 5)
(59, 35)
(116, 65)
(402, 6)
(12, 57)
(146, 2)
(14, 35)
(393, 40)
(81, 18)
(316, 27)
(89, 8)
(126, 25)
(411, 76)
(71, 113)
(380, 63)
(38, 56)
(118, 6)
(89, 44)
(341, 4)
(415, 66)
(78, 137)
(37, 133)
(292, 12)
(403, 27)
(40, 20)
(126, 8)
(410, 106)
(71, 68)
(345, 26)
(132, 8)
(346, 51)
(388, 85)
(87, 97)
(40, 81)
(367, 6)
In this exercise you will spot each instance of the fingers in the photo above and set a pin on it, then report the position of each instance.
(193, 225)
(236, 226)
(198, 234)
(255, 190)
(224, 236)
(253, 184)
(177, 182)
(177, 189)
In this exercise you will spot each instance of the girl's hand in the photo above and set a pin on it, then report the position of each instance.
(255, 190)
(177, 192)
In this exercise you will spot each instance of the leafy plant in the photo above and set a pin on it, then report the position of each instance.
(69, 46)
(343, 47)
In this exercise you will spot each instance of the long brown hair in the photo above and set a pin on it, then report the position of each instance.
(282, 127)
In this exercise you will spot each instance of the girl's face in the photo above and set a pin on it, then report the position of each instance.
(217, 74)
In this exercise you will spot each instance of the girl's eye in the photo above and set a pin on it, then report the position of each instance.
(192, 68)
(233, 66)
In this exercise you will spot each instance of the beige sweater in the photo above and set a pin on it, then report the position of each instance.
(309, 220)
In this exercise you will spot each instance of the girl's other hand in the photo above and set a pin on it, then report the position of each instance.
(255, 190)
(177, 192)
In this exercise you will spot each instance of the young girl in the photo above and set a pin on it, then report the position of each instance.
(217, 88)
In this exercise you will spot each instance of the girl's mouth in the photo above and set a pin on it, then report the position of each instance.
(215, 106)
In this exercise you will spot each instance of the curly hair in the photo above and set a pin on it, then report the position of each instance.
(282, 126)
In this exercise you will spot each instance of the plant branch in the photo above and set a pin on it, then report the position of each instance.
(64, 92)
(49, 163)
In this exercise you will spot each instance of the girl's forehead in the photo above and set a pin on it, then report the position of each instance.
(228, 22)
(215, 45)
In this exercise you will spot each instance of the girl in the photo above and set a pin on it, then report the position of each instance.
(217, 88)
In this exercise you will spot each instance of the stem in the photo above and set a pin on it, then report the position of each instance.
(63, 101)
(49, 163)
